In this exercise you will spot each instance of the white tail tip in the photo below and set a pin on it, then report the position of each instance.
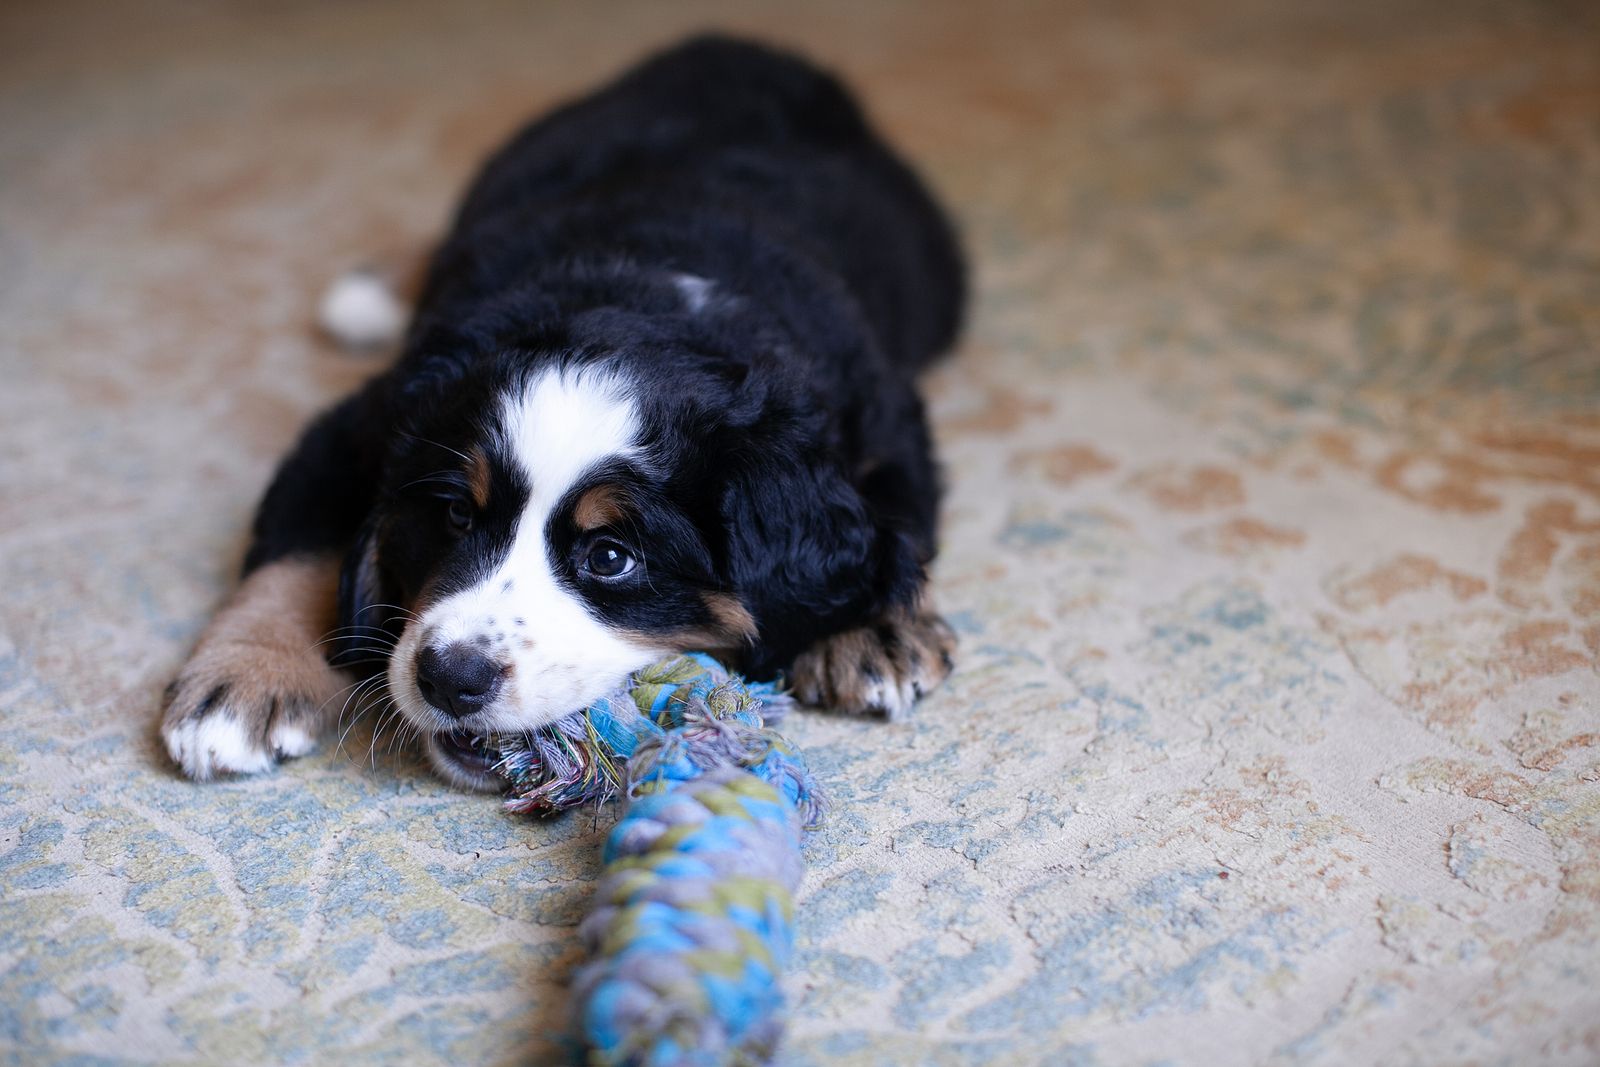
(359, 310)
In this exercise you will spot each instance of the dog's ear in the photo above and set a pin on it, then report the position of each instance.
(366, 617)
(806, 556)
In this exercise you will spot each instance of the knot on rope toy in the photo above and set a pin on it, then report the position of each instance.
(693, 919)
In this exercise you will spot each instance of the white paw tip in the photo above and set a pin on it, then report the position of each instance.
(289, 740)
(893, 700)
(216, 744)
(360, 311)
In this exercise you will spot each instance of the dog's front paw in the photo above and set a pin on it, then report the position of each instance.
(256, 689)
(885, 667)
(239, 709)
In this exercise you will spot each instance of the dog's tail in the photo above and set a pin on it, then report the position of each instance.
(367, 308)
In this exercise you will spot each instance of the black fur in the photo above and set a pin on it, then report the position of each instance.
(791, 465)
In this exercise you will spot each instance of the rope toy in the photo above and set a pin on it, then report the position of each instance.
(693, 920)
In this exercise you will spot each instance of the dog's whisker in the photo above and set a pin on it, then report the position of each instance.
(353, 701)
(404, 612)
(358, 699)
(390, 714)
(454, 479)
(396, 736)
(354, 628)
(379, 655)
(423, 440)
(399, 610)
(341, 693)
(357, 633)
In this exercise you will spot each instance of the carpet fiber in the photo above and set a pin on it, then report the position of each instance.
(1273, 541)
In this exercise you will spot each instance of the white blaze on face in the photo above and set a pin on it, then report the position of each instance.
(562, 657)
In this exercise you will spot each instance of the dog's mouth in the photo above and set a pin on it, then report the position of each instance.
(465, 760)
(469, 750)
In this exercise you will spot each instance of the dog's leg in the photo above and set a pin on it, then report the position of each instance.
(258, 686)
(885, 666)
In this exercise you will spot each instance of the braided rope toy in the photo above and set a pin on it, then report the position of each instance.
(693, 921)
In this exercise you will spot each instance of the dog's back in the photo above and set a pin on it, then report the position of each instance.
(715, 154)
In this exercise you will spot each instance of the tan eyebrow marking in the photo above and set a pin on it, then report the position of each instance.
(478, 476)
(599, 506)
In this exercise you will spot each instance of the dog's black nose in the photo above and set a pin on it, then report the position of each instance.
(457, 680)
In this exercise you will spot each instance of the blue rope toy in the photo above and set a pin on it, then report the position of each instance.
(693, 921)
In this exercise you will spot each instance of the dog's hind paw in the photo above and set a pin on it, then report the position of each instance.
(883, 667)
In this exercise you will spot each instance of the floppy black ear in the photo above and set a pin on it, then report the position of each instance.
(806, 556)
(366, 618)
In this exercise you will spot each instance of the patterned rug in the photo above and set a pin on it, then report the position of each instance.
(1273, 540)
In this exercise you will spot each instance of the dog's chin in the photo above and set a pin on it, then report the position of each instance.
(461, 760)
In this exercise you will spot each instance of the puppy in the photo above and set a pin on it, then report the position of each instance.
(657, 395)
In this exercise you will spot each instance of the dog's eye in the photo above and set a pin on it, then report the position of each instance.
(459, 515)
(607, 559)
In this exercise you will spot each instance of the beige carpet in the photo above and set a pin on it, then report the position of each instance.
(1273, 539)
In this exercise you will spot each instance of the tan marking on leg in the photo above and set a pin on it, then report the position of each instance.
(733, 619)
(603, 505)
(257, 686)
(887, 666)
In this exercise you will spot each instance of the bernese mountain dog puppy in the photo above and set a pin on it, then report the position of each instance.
(657, 395)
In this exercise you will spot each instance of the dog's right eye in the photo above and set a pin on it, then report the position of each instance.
(608, 559)
(459, 515)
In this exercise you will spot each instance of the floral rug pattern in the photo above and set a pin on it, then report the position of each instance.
(1273, 542)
